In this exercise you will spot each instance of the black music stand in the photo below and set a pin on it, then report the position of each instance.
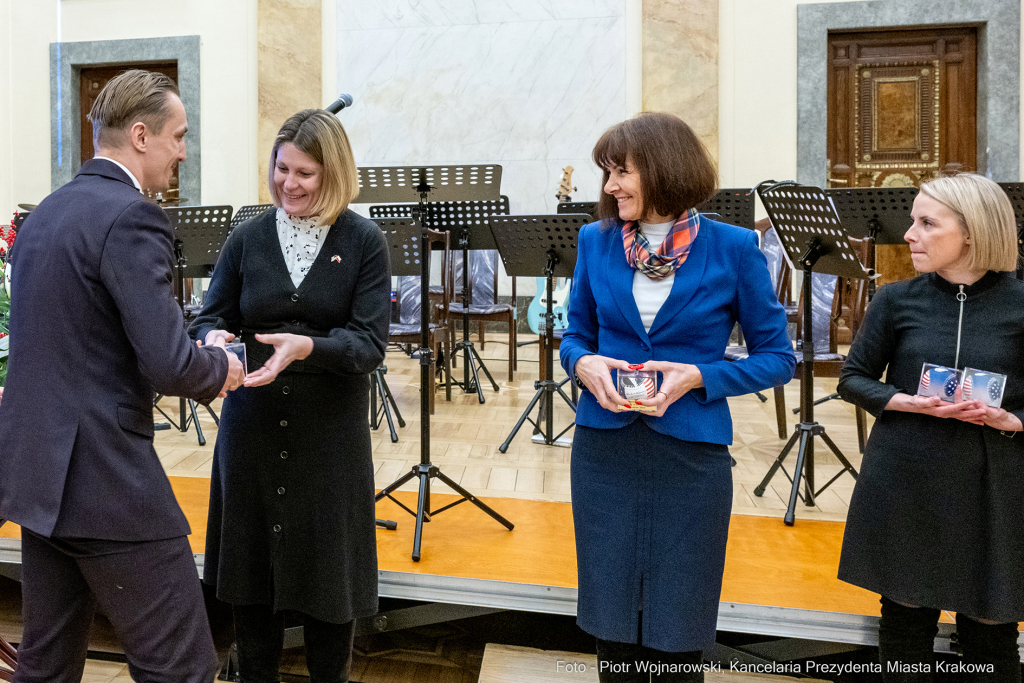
(532, 246)
(812, 236)
(247, 212)
(199, 234)
(1015, 191)
(424, 185)
(575, 208)
(881, 213)
(467, 221)
(734, 206)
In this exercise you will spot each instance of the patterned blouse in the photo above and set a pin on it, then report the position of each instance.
(301, 240)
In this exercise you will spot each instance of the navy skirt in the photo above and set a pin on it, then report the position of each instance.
(651, 514)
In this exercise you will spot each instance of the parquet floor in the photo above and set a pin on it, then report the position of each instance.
(465, 436)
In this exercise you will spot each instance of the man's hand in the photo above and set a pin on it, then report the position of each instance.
(676, 380)
(236, 373)
(1, 394)
(595, 372)
(287, 347)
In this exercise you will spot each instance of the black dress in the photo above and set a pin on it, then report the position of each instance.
(291, 504)
(937, 514)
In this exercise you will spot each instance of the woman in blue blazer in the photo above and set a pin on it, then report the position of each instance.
(652, 492)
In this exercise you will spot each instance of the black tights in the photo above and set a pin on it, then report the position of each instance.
(906, 636)
(259, 633)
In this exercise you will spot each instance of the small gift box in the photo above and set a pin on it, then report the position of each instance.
(637, 384)
(938, 380)
(238, 348)
(987, 387)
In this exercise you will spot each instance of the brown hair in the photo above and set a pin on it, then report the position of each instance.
(676, 171)
(128, 98)
(318, 134)
(985, 215)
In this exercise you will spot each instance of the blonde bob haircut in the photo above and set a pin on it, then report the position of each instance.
(985, 215)
(318, 134)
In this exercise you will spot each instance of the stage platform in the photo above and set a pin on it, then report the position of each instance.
(779, 580)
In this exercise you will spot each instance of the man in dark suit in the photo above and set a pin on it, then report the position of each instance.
(95, 331)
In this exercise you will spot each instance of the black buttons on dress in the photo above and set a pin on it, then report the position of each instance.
(284, 455)
(286, 390)
(277, 528)
(295, 297)
(280, 491)
(284, 423)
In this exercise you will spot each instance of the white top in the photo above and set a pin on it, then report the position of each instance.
(124, 168)
(650, 295)
(301, 241)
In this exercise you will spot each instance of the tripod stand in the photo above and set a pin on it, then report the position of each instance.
(199, 234)
(811, 233)
(403, 184)
(532, 245)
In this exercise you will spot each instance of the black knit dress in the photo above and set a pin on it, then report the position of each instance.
(291, 520)
(937, 515)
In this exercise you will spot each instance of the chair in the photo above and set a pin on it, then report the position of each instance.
(778, 268)
(409, 328)
(483, 300)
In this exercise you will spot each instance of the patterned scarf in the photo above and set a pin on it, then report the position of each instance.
(672, 252)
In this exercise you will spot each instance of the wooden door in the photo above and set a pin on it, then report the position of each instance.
(902, 108)
(91, 82)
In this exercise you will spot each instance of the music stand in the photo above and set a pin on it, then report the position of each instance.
(532, 246)
(734, 206)
(575, 208)
(199, 234)
(812, 236)
(247, 212)
(881, 213)
(467, 220)
(1015, 191)
(426, 184)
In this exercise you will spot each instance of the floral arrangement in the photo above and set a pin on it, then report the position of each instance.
(6, 242)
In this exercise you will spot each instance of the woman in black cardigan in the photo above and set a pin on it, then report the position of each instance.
(936, 517)
(291, 527)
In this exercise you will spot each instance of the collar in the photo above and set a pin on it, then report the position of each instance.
(135, 181)
(987, 281)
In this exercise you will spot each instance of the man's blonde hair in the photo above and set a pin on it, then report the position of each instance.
(128, 98)
(318, 134)
(984, 213)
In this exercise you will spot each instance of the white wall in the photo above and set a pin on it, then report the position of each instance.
(227, 30)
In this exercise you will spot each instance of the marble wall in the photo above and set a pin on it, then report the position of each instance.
(529, 85)
(290, 64)
(680, 63)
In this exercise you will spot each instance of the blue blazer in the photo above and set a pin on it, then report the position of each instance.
(724, 280)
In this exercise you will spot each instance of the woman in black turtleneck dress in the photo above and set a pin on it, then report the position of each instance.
(937, 516)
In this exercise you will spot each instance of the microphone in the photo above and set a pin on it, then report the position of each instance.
(344, 100)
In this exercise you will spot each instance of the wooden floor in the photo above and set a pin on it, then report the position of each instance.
(530, 485)
(465, 436)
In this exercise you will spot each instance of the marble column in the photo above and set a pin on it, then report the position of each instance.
(290, 69)
(680, 63)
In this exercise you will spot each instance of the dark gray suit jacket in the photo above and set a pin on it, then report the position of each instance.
(95, 330)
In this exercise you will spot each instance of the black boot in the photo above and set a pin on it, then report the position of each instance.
(906, 642)
(986, 645)
(328, 650)
(259, 634)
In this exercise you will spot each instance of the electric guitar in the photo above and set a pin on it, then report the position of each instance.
(560, 294)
